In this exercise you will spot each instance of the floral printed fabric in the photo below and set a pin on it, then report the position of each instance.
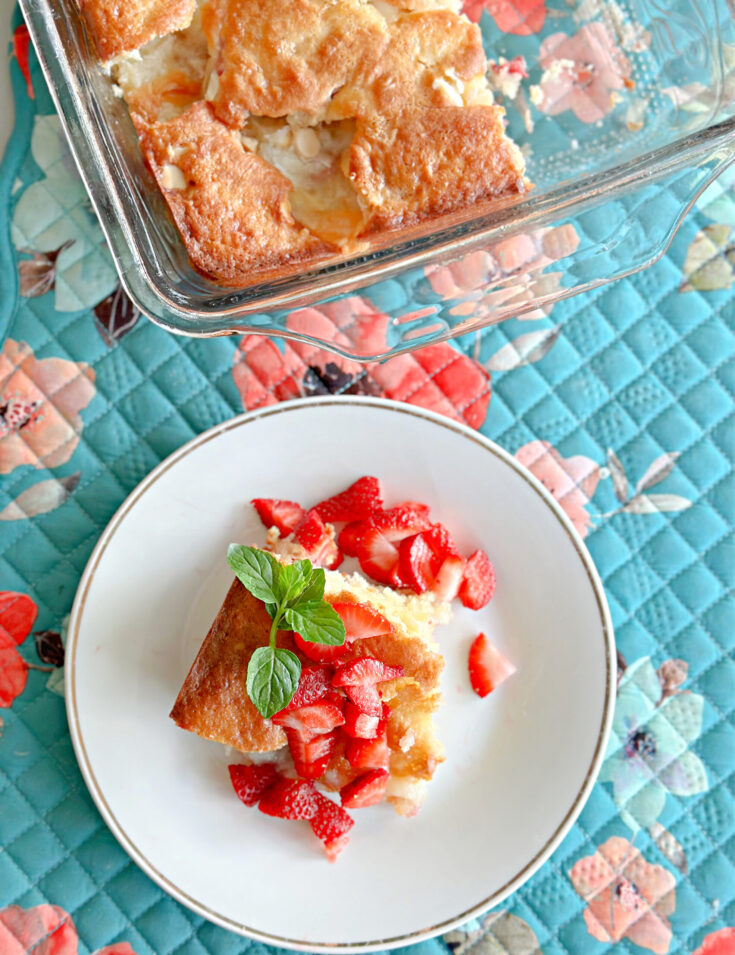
(620, 403)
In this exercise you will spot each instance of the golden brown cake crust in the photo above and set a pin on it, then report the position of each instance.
(213, 702)
(427, 162)
(230, 205)
(275, 58)
(121, 27)
(428, 50)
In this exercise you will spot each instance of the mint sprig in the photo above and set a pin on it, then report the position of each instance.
(293, 595)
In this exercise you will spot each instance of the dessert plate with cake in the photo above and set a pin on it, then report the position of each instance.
(321, 666)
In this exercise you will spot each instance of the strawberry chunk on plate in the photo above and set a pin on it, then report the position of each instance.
(320, 652)
(285, 515)
(488, 667)
(311, 758)
(478, 583)
(449, 578)
(311, 720)
(416, 563)
(367, 790)
(312, 534)
(331, 824)
(360, 725)
(365, 670)
(290, 799)
(251, 780)
(358, 501)
(366, 698)
(369, 753)
(314, 683)
(361, 621)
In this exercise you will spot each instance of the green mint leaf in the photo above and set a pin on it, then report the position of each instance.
(273, 675)
(256, 570)
(294, 578)
(314, 589)
(272, 610)
(317, 622)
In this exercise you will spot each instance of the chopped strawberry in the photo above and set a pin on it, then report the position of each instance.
(441, 542)
(331, 824)
(415, 563)
(311, 758)
(250, 781)
(377, 555)
(403, 520)
(366, 698)
(360, 725)
(366, 790)
(319, 652)
(311, 720)
(290, 799)
(487, 665)
(312, 534)
(365, 670)
(368, 753)
(359, 501)
(314, 683)
(349, 536)
(449, 578)
(478, 583)
(361, 621)
(285, 515)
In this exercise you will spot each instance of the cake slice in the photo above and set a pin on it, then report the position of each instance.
(213, 701)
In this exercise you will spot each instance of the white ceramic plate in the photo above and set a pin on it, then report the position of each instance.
(519, 765)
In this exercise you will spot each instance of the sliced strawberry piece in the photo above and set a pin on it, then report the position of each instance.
(360, 725)
(366, 698)
(365, 670)
(416, 563)
(311, 759)
(478, 583)
(285, 515)
(312, 534)
(403, 520)
(449, 578)
(368, 753)
(250, 781)
(349, 537)
(377, 555)
(361, 621)
(358, 501)
(487, 665)
(366, 790)
(290, 799)
(441, 542)
(311, 720)
(331, 824)
(314, 683)
(414, 507)
(319, 652)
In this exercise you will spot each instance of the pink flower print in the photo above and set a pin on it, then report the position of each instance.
(718, 943)
(508, 273)
(40, 401)
(582, 73)
(521, 17)
(43, 930)
(572, 481)
(438, 377)
(626, 896)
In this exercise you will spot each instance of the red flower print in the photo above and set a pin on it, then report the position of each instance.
(438, 377)
(42, 930)
(21, 43)
(718, 943)
(626, 896)
(17, 614)
(521, 17)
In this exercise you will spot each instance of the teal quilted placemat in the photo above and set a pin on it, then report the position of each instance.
(621, 401)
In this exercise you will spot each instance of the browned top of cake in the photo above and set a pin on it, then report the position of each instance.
(430, 57)
(230, 205)
(120, 27)
(275, 58)
(400, 181)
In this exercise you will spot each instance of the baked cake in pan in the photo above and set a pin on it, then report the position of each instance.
(287, 134)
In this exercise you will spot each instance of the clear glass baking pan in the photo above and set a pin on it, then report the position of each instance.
(627, 114)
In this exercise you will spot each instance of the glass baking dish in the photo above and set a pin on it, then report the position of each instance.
(628, 113)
